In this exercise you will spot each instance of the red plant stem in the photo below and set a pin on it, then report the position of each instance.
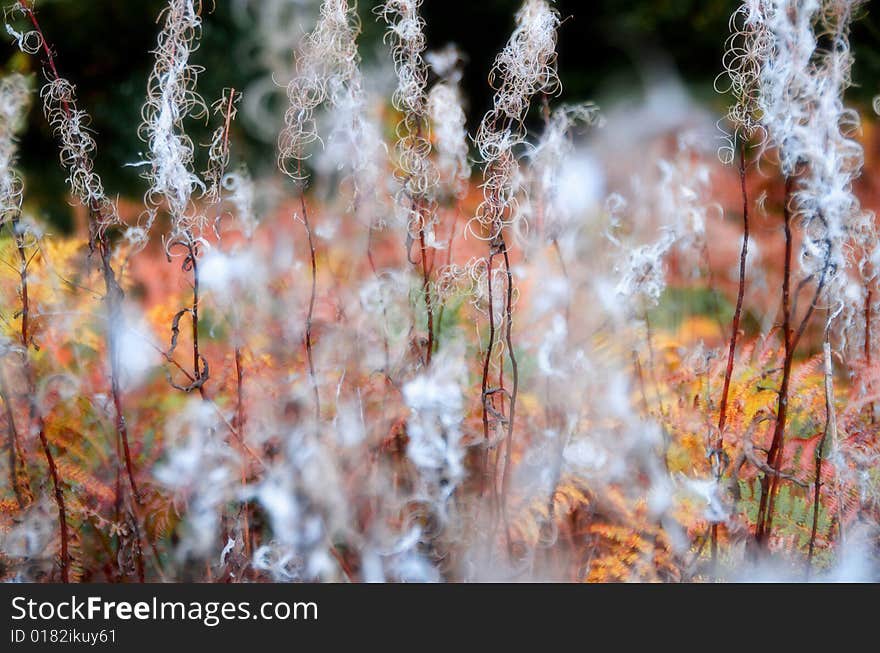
(35, 415)
(777, 460)
(830, 429)
(817, 485)
(197, 357)
(426, 288)
(314, 289)
(50, 60)
(16, 455)
(869, 296)
(228, 122)
(718, 447)
(239, 426)
(508, 314)
(485, 397)
(16, 458)
(139, 551)
(770, 486)
(113, 297)
(372, 262)
(782, 396)
(191, 262)
(239, 393)
(419, 209)
(452, 228)
(56, 485)
(311, 313)
(737, 314)
(343, 564)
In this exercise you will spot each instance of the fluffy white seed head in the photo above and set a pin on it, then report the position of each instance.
(171, 98)
(416, 172)
(14, 100)
(326, 62)
(70, 125)
(833, 158)
(643, 274)
(550, 160)
(526, 66)
(745, 51)
(448, 121)
(354, 150)
(225, 109)
(77, 147)
(789, 62)
(406, 33)
(239, 189)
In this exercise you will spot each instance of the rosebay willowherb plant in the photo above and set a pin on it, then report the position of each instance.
(417, 173)
(76, 146)
(327, 71)
(515, 354)
(795, 87)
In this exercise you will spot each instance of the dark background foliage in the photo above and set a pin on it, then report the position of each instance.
(606, 47)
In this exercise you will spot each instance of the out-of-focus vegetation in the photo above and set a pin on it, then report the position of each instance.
(607, 48)
(456, 330)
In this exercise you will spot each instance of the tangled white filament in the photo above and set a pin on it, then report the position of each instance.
(218, 150)
(526, 66)
(326, 63)
(171, 98)
(791, 90)
(416, 171)
(446, 110)
(14, 99)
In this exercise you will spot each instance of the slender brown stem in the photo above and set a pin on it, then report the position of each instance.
(311, 312)
(35, 416)
(869, 298)
(372, 262)
(227, 125)
(17, 461)
(239, 426)
(139, 550)
(198, 369)
(830, 431)
(58, 491)
(452, 229)
(113, 295)
(718, 447)
(239, 393)
(782, 395)
(419, 209)
(770, 483)
(776, 461)
(737, 314)
(484, 396)
(511, 414)
(426, 288)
